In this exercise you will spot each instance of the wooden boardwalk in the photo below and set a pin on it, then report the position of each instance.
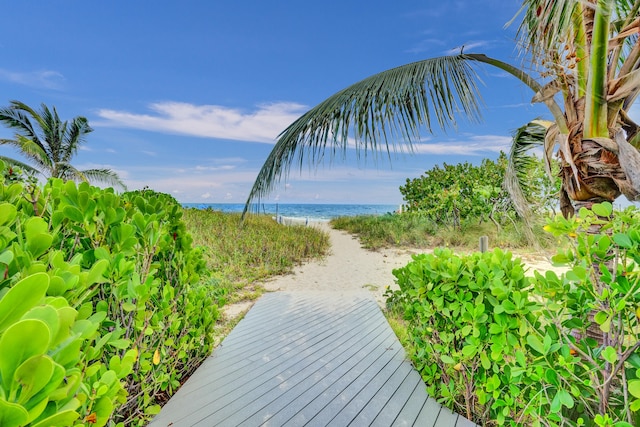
(314, 359)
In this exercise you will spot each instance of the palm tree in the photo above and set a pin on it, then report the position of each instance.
(585, 55)
(49, 144)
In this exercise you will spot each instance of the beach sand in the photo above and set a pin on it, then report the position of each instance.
(349, 268)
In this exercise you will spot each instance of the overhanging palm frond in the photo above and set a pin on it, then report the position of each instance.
(516, 180)
(526, 138)
(377, 113)
(15, 118)
(105, 176)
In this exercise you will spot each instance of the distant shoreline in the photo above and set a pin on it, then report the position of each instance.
(306, 211)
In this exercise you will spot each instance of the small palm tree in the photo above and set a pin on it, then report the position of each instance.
(587, 57)
(49, 144)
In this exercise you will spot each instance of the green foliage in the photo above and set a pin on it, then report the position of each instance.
(388, 230)
(49, 144)
(549, 350)
(455, 193)
(593, 318)
(109, 291)
(417, 231)
(469, 317)
(241, 252)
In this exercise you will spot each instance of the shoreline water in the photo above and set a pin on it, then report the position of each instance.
(302, 211)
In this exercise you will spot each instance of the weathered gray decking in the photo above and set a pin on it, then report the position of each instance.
(313, 359)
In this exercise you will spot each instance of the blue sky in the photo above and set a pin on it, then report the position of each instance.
(188, 97)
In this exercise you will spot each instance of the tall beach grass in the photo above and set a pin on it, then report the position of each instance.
(408, 230)
(241, 253)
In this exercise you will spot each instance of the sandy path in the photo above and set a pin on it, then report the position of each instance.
(349, 268)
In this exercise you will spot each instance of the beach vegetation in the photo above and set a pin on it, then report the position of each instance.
(412, 230)
(505, 348)
(240, 254)
(49, 144)
(578, 58)
(105, 305)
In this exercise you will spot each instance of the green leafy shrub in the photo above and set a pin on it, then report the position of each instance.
(552, 350)
(469, 317)
(457, 193)
(120, 313)
(592, 378)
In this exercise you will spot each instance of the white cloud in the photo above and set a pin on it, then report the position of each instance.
(206, 195)
(263, 124)
(467, 47)
(215, 168)
(47, 79)
(474, 145)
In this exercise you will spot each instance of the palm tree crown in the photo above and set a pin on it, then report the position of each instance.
(49, 144)
(586, 55)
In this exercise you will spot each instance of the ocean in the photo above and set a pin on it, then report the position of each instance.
(310, 212)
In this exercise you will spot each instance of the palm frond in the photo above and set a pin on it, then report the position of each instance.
(30, 150)
(516, 181)
(376, 114)
(545, 25)
(74, 136)
(18, 164)
(14, 117)
(104, 176)
(526, 139)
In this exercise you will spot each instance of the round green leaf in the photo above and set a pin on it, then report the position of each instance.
(609, 354)
(623, 241)
(73, 213)
(604, 209)
(12, 414)
(33, 375)
(447, 359)
(7, 213)
(634, 388)
(61, 419)
(19, 342)
(23, 296)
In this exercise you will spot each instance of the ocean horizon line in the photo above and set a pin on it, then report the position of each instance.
(309, 211)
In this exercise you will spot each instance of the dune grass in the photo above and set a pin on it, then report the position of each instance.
(239, 254)
(407, 230)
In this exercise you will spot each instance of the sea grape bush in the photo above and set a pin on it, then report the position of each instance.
(111, 294)
(599, 376)
(452, 194)
(506, 349)
(468, 318)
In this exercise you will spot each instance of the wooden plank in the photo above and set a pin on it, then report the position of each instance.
(280, 406)
(413, 407)
(299, 371)
(307, 358)
(446, 418)
(392, 410)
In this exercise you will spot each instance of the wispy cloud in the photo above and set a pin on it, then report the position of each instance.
(46, 79)
(263, 124)
(468, 46)
(426, 45)
(474, 145)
